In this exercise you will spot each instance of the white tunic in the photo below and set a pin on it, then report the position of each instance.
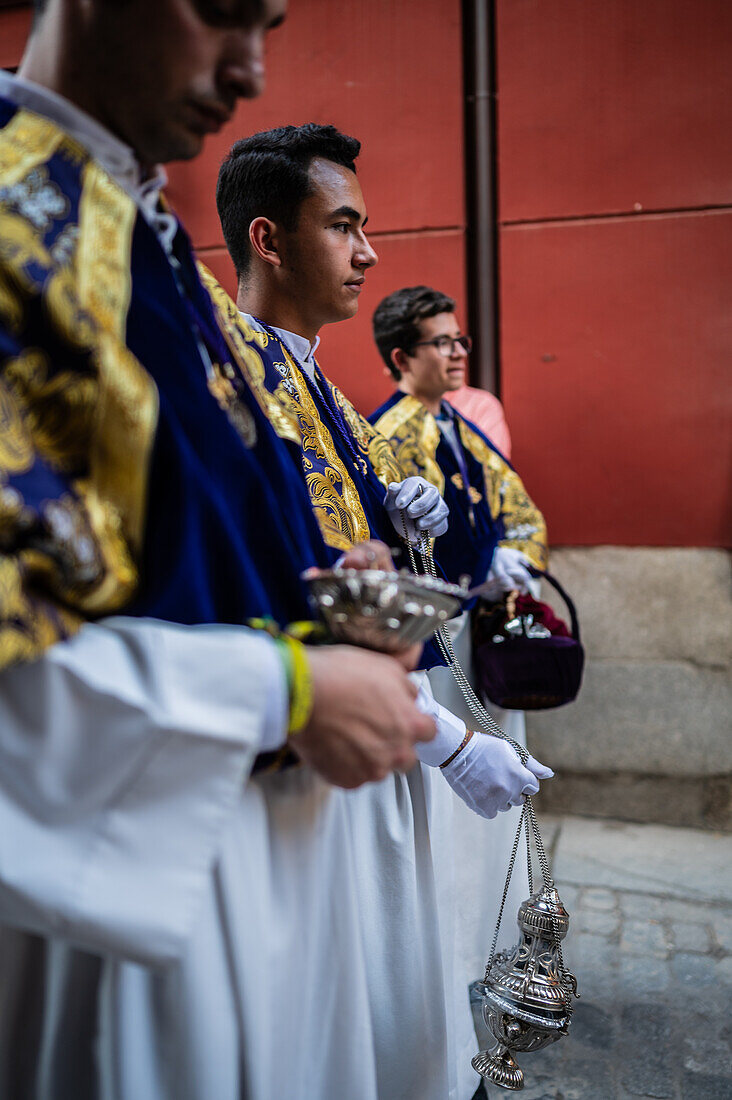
(291, 939)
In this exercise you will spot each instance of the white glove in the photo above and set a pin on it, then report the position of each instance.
(490, 778)
(425, 508)
(487, 773)
(509, 570)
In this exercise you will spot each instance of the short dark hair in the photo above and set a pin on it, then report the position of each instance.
(267, 175)
(396, 319)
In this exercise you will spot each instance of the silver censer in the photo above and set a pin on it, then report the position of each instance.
(526, 990)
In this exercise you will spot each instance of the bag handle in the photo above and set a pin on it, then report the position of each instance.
(565, 596)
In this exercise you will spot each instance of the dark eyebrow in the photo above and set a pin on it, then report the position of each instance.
(348, 212)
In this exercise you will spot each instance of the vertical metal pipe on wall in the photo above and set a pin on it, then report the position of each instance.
(482, 236)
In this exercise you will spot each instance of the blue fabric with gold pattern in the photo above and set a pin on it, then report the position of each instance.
(132, 474)
(492, 508)
(346, 464)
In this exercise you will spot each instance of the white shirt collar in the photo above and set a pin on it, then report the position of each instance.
(117, 158)
(298, 346)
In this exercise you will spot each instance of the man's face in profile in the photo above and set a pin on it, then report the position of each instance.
(169, 72)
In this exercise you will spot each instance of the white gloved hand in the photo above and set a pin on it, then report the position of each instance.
(509, 570)
(487, 774)
(490, 778)
(425, 508)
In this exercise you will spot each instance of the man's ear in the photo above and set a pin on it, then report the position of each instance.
(400, 359)
(263, 236)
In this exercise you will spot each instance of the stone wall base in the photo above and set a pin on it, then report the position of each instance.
(698, 801)
(650, 736)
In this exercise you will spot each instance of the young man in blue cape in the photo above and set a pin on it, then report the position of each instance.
(425, 350)
(156, 901)
(501, 531)
(293, 217)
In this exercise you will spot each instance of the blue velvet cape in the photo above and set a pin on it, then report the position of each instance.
(125, 483)
(345, 463)
(493, 507)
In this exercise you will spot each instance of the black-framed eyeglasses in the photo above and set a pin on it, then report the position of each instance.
(446, 344)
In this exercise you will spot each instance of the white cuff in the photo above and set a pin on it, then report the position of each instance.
(451, 730)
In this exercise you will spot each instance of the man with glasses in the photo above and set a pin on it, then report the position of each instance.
(496, 533)
(502, 531)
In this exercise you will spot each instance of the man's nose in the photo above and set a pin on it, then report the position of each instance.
(365, 255)
(242, 69)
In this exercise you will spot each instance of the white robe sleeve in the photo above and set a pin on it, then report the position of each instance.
(123, 752)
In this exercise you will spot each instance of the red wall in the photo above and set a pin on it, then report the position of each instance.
(615, 184)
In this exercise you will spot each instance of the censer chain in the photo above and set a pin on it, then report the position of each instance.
(490, 726)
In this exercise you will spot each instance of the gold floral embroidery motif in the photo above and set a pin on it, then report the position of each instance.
(58, 409)
(102, 260)
(474, 496)
(334, 494)
(524, 524)
(294, 416)
(27, 141)
(99, 418)
(414, 438)
(16, 446)
(241, 339)
(370, 441)
(29, 624)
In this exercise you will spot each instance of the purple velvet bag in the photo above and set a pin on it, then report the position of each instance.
(522, 672)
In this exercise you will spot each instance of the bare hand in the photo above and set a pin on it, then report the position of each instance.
(371, 554)
(364, 722)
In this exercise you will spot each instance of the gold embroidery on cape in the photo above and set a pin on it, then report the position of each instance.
(29, 623)
(333, 494)
(524, 525)
(370, 441)
(474, 496)
(58, 409)
(102, 420)
(414, 437)
(25, 142)
(240, 337)
(102, 261)
(127, 403)
(16, 446)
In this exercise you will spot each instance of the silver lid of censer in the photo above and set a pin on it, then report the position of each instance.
(526, 990)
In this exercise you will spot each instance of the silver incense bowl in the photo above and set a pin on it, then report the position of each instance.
(380, 610)
(525, 1000)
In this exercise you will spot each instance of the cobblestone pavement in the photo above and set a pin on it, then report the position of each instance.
(650, 942)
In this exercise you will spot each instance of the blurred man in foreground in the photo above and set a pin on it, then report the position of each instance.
(159, 903)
